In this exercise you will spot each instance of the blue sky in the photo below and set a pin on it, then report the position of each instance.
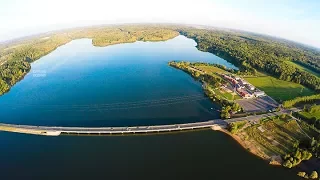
(297, 20)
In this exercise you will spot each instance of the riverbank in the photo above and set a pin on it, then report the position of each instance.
(279, 140)
(213, 85)
(252, 147)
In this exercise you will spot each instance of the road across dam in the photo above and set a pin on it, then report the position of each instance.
(56, 131)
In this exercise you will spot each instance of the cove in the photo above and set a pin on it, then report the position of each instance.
(119, 85)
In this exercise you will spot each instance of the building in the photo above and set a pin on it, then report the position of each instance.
(244, 93)
(233, 81)
(243, 82)
(238, 86)
(259, 93)
(250, 87)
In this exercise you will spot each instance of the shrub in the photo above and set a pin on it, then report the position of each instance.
(301, 174)
(287, 164)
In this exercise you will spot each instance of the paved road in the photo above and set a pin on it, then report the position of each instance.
(51, 130)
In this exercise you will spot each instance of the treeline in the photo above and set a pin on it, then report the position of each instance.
(295, 158)
(254, 52)
(233, 71)
(11, 72)
(15, 58)
(125, 34)
(310, 65)
(302, 151)
(309, 115)
(236, 126)
(303, 99)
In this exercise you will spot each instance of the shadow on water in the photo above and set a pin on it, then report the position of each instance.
(191, 155)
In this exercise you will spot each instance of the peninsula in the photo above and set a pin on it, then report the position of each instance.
(282, 139)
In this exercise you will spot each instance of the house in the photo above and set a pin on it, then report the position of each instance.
(234, 82)
(259, 93)
(250, 87)
(238, 86)
(243, 82)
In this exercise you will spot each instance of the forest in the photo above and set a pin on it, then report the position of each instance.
(253, 52)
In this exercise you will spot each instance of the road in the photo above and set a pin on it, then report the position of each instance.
(55, 131)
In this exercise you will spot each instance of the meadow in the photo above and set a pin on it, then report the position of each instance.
(278, 89)
(313, 112)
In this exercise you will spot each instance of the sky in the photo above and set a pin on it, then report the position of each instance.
(297, 20)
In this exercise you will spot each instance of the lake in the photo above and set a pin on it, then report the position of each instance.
(120, 85)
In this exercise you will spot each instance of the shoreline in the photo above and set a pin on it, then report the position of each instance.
(253, 149)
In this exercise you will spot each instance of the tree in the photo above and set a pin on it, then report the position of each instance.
(301, 174)
(297, 154)
(287, 164)
(306, 155)
(313, 142)
(296, 144)
(235, 107)
(313, 175)
(225, 112)
(196, 74)
(283, 116)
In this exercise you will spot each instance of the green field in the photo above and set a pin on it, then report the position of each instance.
(279, 89)
(224, 95)
(302, 68)
(314, 112)
(211, 69)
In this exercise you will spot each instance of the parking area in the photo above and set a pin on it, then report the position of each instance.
(260, 104)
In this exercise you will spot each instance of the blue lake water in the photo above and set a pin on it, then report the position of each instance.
(120, 85)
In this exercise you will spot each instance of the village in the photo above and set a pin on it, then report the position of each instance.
(241, 87)
(237, 89)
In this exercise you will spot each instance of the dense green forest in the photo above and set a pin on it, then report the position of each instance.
(15, 57)
(251, 52)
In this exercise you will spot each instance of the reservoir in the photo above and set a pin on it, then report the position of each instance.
(120, 85)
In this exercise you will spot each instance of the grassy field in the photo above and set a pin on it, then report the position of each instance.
(211, 69)
(303, 68)
(276, 136)
(311, 115)
(225, 95)
(314, 112)
(279, 89)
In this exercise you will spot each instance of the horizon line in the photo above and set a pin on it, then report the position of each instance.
(26, 37)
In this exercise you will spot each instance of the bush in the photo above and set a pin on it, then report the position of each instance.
(287, 164)
(301, 174)
(313, 175)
